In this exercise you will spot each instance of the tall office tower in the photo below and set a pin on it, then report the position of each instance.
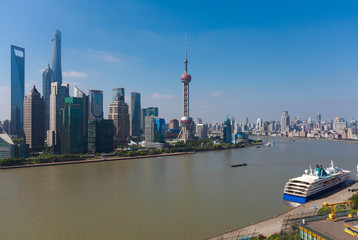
(135, 124)
(57, 97)
(56, 57)
(118, 92)
(54, 106)
(154, 129)
(319, 117)
(118, 112)
(6, 126)
(47, 79)
(17, 89)
(173, 124)
(186, 122)
(100, 135)
(259, 124)
(70, 128)
(77, 93)
(202, 130)
(285, 121)
(143, 114)
(233, 127)
(247, 120)
(33, 119)
(227, 135)
(152, 111)
(95, 102)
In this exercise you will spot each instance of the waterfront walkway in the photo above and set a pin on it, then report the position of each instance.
(273, 225)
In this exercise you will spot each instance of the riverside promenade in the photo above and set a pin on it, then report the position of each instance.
(273, 225)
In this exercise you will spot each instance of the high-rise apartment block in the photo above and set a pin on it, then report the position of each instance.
(33, 119)
(118, 112)
(17, 89)
(135, 115)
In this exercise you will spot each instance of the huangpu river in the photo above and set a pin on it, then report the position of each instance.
(180, 197)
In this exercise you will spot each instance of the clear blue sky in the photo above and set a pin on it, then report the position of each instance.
(247, 58)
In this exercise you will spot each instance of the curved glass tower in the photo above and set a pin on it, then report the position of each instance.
(17, 89)
(56, 57)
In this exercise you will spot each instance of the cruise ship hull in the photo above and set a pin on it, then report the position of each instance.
(293, 198)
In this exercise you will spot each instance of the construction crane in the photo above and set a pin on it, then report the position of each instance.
(115, 136)
(331, 216)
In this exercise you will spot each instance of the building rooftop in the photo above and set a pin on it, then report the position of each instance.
(332, 230)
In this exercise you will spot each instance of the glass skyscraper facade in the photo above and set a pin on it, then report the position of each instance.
(100, 135)
(70, 129)
(17, 89)
(56, 57)
(47, 79)
(135, 115)
(95, 101)
(152, 111)
(118, 92)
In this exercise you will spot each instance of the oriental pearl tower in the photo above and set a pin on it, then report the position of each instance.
(186, 122)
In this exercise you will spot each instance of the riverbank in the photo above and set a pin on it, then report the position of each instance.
(95, 160)
(273, 225)
(183, 148)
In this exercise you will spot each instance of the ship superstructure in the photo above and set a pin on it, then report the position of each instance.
(314, 183)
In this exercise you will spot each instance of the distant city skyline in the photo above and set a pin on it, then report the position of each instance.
(248, 60)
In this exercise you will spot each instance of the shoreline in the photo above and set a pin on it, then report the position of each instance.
(95, 160)
(105, 159)
(309, 138)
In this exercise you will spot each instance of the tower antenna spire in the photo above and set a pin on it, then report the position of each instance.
(186, 55)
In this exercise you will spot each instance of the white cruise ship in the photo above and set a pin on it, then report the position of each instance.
(315, 183)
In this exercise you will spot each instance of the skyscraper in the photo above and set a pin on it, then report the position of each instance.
(77, 93)
(186, 122)
(17, 89)
(118, 93)
(285, 122)
(47, 79)
(143, 114)
(227, 135)
(95, 101)
(56, 56)
(118, 112)
(135, 115)
(100, 135)
(152, 111)
(33, 119)
(57, 97)
(70, 129)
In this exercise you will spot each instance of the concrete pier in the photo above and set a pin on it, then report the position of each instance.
(273, 225)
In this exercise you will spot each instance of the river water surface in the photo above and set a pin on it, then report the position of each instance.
(180, 197)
